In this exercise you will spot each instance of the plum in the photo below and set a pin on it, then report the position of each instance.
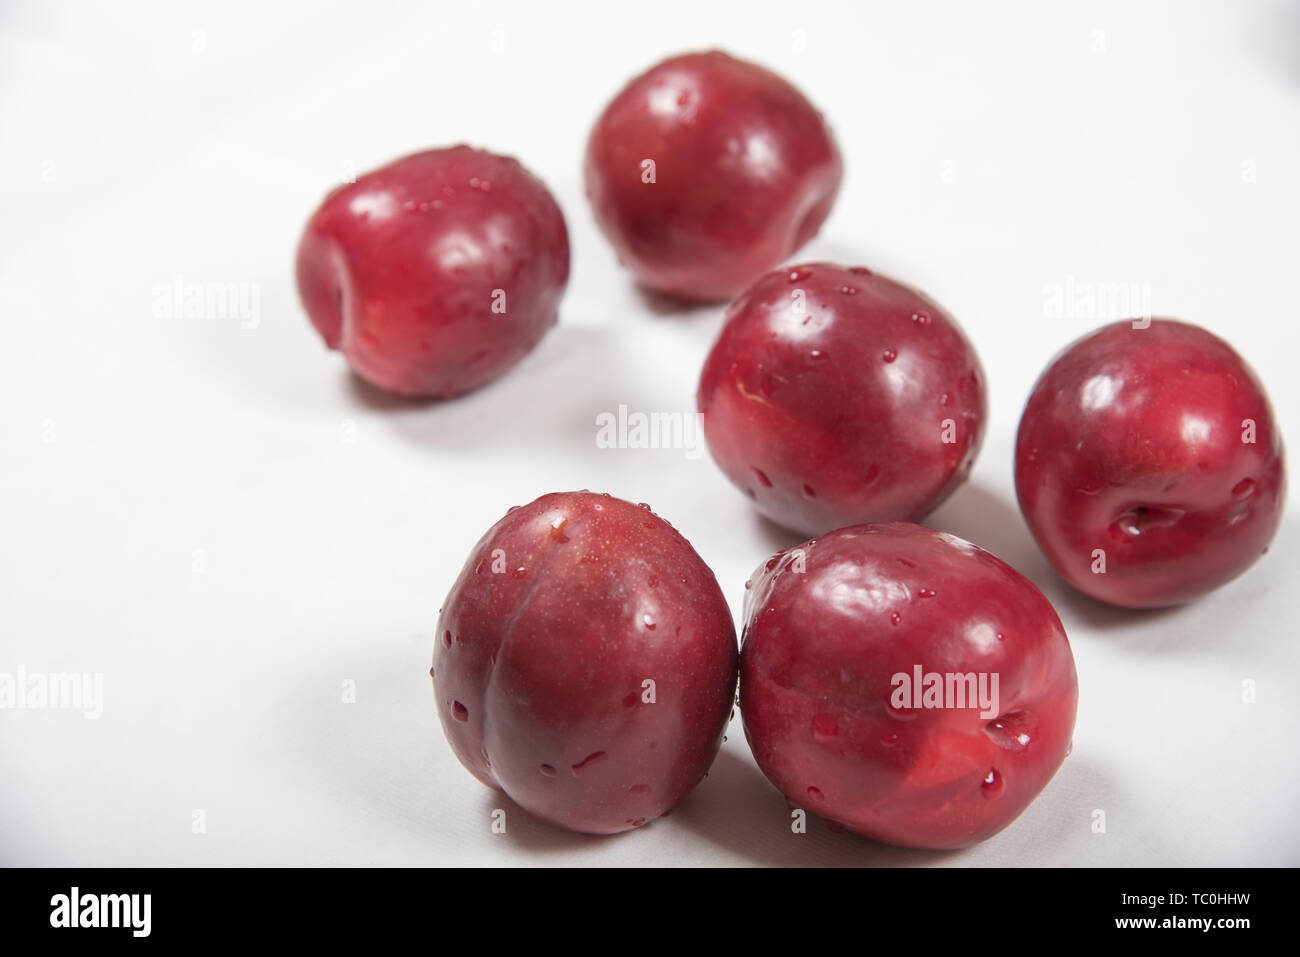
(707, 170)
(835, 396)
(586, 662)
(436, 273)
(1148, 464)
(904, 683)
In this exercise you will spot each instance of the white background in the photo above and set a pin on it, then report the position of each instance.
(181, 511)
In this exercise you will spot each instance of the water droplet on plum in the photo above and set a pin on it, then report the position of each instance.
(992, 783)
(1014, 731)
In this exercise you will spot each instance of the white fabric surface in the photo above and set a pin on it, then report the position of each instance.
(211, 514)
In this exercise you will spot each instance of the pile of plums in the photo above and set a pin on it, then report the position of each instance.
(893, 679)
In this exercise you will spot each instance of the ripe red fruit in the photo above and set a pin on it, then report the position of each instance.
(834, 396)
(436, 273)
(586, 662)
(831, 625)
(1148, 465)
(707, 170)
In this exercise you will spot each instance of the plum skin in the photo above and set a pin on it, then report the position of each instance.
(820, 647)
(835, 396)
(563, 611)
(436, 273)
(746, 171)
(1133, 443)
